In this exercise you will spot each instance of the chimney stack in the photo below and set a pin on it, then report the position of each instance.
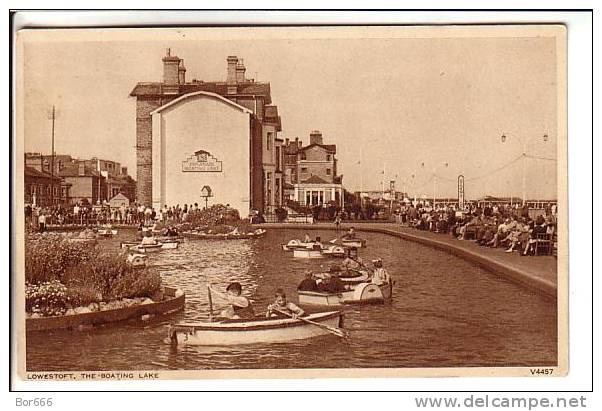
(231, 76)
(181, 73)
(315, 137)
(240, 71)
(170, 68)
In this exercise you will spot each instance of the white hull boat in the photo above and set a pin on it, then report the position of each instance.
(237, 332)
(106, 232)
(334, 251)
(308, 253)
(354, 243)
(296, 245)
(363, 293)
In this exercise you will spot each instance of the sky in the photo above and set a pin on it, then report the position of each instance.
(405, 106)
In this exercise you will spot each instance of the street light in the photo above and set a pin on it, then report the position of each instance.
(524, 156)
(446, 164)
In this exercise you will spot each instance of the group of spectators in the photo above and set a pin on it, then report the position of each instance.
(488, 225)
(82, 214)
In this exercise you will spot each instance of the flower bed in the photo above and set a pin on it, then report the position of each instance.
(65, 277)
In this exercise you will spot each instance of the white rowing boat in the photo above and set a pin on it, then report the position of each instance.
(265, 330)
(297, 245)
(334, 251)
(106, 232)
(362, 293)
(354, 242)
(149, 248)
(308, 253)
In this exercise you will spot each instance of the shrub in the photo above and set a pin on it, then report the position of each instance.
(135, 283)
(49, 255)
(82, 295)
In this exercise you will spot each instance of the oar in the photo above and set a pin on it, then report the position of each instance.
(336, 331)
(210, 303)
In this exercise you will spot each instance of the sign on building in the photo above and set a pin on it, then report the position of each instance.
(201, 161)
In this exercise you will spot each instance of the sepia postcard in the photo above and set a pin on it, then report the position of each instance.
(290, 202)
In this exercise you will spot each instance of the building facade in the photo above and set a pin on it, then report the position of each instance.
(220, 134)
(38, 188)
(310, 172)
(85, 180)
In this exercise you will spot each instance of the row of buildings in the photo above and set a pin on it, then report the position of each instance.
(224, 135)
(74, 180)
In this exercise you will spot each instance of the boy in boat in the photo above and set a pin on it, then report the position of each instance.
(350, 235)
(307, 238)
(283, 308)
(149, 240)
(352, 261)
(380, 275)
(239, 306)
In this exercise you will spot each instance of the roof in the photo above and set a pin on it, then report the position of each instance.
(217, 87)
(315, 180)
(331, 148)
(32, 172)
(119, 196)
(202, 93)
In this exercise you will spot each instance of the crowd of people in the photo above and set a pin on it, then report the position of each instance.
(101, 214)
(510, 227)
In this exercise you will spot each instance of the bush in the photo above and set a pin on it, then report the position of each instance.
(48, 256)
(82, 295)
(135, 283)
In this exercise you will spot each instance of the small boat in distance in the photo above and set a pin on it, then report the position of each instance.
(354, 242)
(255, 331)
(362, 293)
(201, 235)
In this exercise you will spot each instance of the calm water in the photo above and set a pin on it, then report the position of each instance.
(445, 312)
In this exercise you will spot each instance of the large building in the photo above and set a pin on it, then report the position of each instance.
(39, 185)
(85, 180)
(311, 172)
(218, 134)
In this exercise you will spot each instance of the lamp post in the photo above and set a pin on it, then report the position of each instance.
(52, 116)
(524, 157)
(446, 164)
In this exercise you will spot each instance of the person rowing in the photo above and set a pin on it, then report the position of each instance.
(149, 240)
(353, 261)
(283, 308)
(350, 234)
(308, 283)
(239, 306)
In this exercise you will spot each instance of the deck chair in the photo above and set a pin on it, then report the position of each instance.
(543, 244)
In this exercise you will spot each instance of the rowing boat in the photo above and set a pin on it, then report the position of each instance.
(354, 242)
(362, 293)
(308, 252)
(146, 248)
(106, 232)
(264, 330)
(226, 236)
(334, 251)
(297, 245)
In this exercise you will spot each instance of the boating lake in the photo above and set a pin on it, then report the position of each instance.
(445, 312)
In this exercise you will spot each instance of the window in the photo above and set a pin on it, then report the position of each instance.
(304, 169)
(269, 140)
(33, 189)
(328, 171)
(327, 157)
(303, 157)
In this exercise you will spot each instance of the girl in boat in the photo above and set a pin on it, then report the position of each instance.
(283, 308)
(239, 306)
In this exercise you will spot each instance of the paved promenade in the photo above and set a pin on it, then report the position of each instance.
(538, 273)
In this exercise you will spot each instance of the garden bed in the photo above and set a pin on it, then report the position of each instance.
(173, 300)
